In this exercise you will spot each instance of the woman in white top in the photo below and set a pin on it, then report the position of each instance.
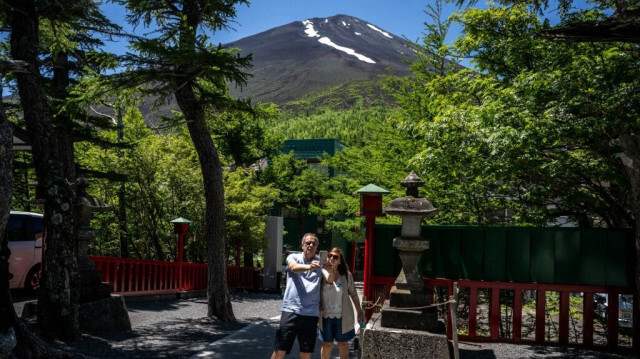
(337, 312)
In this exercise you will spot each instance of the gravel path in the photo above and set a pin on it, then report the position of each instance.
(508, 351)
(181, 328)
(173, 328)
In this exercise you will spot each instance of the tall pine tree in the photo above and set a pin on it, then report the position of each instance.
(180, 62)
(45, 35)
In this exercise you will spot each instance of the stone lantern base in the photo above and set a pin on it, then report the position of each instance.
(91, 286)
(399, 318)
(405, 310)
(381, 342)
(104, 315)
(99, 310)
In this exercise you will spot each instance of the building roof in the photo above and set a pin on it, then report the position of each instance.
(372, 189)
(21, 140)
(312, 149)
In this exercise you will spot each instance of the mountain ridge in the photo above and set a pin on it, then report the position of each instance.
(315, 54)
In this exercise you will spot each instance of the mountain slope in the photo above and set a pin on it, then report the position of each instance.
(314, 54)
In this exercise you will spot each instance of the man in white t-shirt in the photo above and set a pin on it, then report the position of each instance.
(301, 303)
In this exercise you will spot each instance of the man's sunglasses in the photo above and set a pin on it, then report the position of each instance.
(310, 244)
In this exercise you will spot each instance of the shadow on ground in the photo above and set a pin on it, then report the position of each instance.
(171, 328)
(166, 339)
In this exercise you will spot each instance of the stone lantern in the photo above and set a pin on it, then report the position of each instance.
(86, 205)
(99, 310)
(409, 290)
(408, 323)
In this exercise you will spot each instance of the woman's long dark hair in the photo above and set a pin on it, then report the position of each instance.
(343, 268)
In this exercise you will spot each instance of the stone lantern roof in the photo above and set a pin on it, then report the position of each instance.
(411, 204)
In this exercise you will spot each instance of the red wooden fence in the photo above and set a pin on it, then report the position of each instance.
(382, 286)
(129, 276)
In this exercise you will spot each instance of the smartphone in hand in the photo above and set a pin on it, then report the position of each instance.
(323, 257)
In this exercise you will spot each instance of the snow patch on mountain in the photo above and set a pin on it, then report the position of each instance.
(380, 31)
(325, 40)
(311, 32)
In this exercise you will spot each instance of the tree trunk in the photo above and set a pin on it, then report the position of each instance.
(57, 301)
(122, 197)
(7, 314)
(218, 300)
(122, 222)
(28, 345)
(155, 240)
(63, 122)
(238, 254)
(631, 159)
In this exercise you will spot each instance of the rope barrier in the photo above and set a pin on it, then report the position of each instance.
(376, 305)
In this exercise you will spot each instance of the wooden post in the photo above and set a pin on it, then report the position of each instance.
(540, 315)
(453, 307)
(368, 261)
(517, 315)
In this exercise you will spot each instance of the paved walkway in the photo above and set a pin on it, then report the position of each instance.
(255, 341)
(179, 328)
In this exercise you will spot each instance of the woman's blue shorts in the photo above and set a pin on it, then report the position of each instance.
(332, 330)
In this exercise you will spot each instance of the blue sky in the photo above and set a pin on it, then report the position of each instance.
(402, 18)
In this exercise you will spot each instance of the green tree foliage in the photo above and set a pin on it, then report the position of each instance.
(533, 129)
(247, 205)
(242, 137)
(384, 160)
(354, 93)
(163, 182)
(179, 61)
(349, 126)
(42, 34)
(378, 151)
(301, 187)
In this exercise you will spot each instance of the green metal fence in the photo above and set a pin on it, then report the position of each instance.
(295, 228)
(578, 256)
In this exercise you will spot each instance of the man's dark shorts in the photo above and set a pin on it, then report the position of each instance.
(302, 326)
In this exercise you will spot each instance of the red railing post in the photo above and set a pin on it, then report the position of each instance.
(636, 326)
(473, 311)
(451, 326)
(354, 247)
(587, 322)
(517, 314)
(149, 268)
(541, 301)
(612, 322)
(135, 272)
(495, 313)
(368, 262)
(563, 320)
